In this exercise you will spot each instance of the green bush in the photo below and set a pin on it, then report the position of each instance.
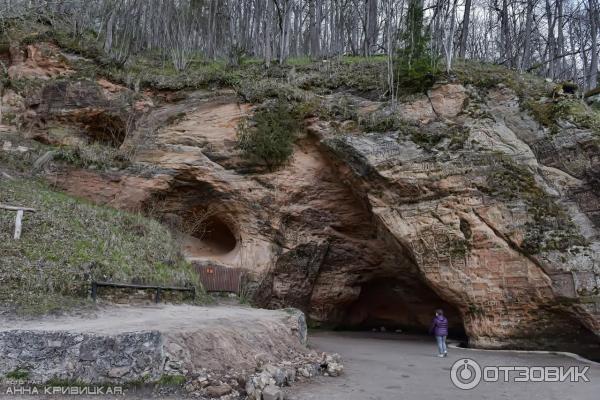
(417, 77)
(269, 136)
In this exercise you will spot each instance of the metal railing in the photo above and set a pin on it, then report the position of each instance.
(157, 289)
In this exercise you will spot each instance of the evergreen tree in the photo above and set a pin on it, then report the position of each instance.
(415, 65)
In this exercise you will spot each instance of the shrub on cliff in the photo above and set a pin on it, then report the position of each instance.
(258, 90)
(268, 137)
(550, 113)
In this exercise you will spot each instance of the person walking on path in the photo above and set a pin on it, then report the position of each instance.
(439, 328)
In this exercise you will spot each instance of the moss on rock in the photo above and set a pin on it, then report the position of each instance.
(549, 113)
(549, 227)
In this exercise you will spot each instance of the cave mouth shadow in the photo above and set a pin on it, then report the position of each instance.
(405, 304)
(215, 237)
(218, 235)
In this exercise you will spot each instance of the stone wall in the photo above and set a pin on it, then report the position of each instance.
(82, 357)
(204, 347)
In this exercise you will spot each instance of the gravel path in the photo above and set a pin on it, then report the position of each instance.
(392, 367)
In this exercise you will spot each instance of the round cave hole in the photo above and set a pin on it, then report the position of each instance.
(404, 303)
(211, 237)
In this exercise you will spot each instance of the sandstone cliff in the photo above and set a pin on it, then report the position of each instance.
(458, 198)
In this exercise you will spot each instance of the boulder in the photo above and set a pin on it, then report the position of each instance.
(448, 100)
(215, 391)
(118, 372)
(272, 392)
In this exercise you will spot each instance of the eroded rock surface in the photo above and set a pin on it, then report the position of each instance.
(472, 207)
(37, 61)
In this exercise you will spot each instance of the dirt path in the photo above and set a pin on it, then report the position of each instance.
(392, 367)
(117, 319)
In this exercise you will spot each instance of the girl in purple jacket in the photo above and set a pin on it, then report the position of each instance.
(439, 328)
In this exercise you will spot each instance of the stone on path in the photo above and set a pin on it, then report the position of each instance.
(272, 392)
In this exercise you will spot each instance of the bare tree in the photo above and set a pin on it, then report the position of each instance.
(594, 20)
(462, 51)
(554, 38)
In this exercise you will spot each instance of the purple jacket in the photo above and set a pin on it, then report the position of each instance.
(439, 326)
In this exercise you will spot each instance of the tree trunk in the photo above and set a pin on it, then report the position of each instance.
(526, 57)
(594, 14)
(370, 27)
(18, 224)
(449, 42)
(465, 30)
(505, 35)
(268, 33)
(560, 44)
(315, 28)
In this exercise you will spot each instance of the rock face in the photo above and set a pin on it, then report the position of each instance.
(514, 269)
(476, 209)
(83, 357)
(38, 61)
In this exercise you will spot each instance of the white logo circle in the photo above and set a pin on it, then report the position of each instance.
(465, 374)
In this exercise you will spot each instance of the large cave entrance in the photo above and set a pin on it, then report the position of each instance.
(400, 303)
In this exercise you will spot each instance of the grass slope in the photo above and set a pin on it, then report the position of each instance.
(68, 243)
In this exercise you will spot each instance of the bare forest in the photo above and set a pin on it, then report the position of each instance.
(557, 39)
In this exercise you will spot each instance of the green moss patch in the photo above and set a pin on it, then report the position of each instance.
(18, 374)
(549, 113)
(486, 76)
(171, 380)
(549, 227)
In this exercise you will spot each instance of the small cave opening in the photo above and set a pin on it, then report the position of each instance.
(105, 127)
(81, 104)
(210, 236)
(405, 304)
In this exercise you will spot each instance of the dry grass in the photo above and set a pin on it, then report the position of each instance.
(68, 243)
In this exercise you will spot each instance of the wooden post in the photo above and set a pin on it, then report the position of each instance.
(19, 219)
(18, 222)
(94, 291)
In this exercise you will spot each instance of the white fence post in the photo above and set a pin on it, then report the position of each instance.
(18, 223)
(19, 219)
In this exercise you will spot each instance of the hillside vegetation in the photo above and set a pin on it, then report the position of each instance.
(68, 243)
